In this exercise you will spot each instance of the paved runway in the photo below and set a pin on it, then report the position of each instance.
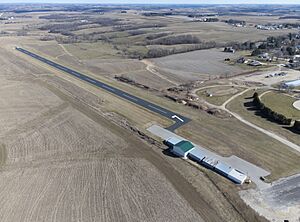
(179, 119)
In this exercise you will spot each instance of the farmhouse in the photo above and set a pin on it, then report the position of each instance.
(180, 147)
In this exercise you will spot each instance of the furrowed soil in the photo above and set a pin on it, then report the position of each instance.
(64, 161)
(198, 65)
(61, 161)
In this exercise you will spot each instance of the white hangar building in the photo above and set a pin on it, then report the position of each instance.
(186, 149)
(180, 147)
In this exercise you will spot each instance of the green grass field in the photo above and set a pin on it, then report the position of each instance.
(238, 106)
(281, 103)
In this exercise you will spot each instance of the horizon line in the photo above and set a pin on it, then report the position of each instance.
(90, 3)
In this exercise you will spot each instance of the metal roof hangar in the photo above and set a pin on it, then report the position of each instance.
(180, 147)
(186, 149)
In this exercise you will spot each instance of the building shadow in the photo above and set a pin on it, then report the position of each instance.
(252, 108)
(168, 152)
(292, 129)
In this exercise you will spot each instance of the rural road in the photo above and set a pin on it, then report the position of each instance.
(178, 119)
(151, 68)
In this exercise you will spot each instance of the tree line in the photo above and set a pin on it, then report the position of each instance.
(175, 39)
(269, 113)
(296, 126)
(160, 52)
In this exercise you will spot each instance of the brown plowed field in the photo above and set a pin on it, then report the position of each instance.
(91, 190)
(62, 161)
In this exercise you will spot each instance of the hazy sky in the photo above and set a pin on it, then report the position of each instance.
(159, 1)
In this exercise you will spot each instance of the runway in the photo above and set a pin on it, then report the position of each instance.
(177, 118)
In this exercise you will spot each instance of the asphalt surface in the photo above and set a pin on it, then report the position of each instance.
(178, 119)
(284, 192)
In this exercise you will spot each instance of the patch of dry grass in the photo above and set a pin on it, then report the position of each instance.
(238, 106)
(220, 94)
(230, 137)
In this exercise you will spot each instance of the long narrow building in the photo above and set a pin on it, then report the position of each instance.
(185, 149)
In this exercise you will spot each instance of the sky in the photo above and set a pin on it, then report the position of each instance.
(159, 1)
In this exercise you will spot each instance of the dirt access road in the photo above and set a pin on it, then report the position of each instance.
(240, 118)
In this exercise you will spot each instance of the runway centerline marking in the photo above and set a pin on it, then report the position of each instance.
(153, 107)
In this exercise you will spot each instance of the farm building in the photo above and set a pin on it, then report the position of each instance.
(186, 149)
(180, 147)
(293, 83)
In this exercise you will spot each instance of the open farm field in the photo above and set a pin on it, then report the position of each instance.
(114, 67)
(90, 51)
(64, 163)
(68, 158)
(225, 143)
(75, 147)
(150, 79)
(221, 32)
(241, 144)
(46, 137)
(73, 55)
(198, 65)
(51, 48)
(85, 190)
